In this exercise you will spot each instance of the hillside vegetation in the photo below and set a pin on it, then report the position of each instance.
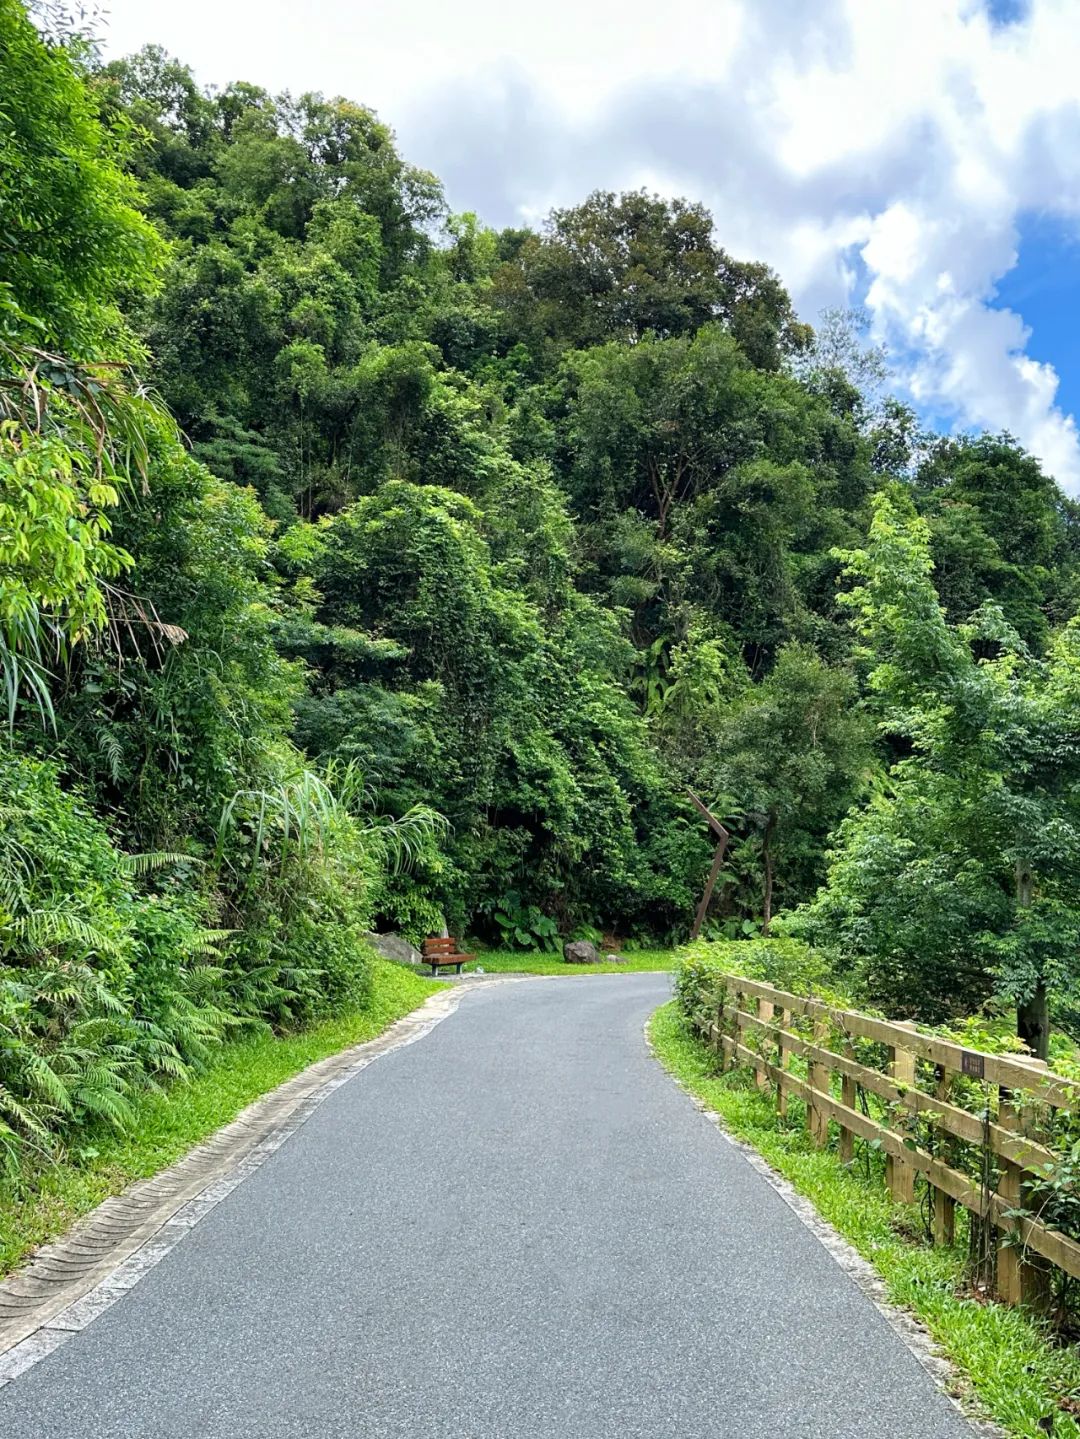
(365, 567)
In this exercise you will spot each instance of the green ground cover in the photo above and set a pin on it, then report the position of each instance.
(506, 961)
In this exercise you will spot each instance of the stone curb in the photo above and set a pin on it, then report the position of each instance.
(77, 1277)
(916, 1338)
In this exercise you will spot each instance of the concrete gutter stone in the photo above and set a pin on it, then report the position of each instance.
(74, 1279)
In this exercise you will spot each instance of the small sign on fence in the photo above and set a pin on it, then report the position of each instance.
(973, 1064)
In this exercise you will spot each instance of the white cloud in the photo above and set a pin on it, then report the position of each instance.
(881, 151)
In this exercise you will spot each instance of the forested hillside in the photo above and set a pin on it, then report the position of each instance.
(365, 567)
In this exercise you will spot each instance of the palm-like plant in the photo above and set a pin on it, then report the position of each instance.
(323, 820)
(73, 438)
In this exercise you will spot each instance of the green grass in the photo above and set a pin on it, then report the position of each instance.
(507, 961)
(167, 1124)
(1016, 1370)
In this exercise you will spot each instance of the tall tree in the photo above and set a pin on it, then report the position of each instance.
(791, 757)
(621, 267)
(1000, 530)
(959, 875)
(73, 245)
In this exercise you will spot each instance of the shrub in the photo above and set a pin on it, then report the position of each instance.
(102, 989)
(788, 963)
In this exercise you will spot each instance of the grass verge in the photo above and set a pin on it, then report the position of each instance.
(1020, 1375)
(167, 1124)
(506, 961)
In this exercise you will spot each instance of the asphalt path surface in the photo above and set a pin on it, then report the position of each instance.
(516, 1228)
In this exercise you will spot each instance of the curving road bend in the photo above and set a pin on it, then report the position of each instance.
(517, 1228)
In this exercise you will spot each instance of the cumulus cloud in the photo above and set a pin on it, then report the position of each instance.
(882, 153)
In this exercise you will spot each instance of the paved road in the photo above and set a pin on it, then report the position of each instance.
(517, 1228)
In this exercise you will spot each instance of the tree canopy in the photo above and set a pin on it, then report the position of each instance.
(362, 567)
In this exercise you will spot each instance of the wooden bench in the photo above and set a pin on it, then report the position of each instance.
(442, 953)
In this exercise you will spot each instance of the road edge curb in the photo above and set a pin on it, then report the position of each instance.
(914, 1335)
(75, 1278)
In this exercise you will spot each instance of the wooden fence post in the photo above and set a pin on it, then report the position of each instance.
(819, 1076)
(736, 1025)
(765, 1009)
(850, 1096)
(944, 1204)
(725, 1002)
(716, 1041)
(1021, 1278)
(781, 1092)
(738, 1000)
(899, 1175)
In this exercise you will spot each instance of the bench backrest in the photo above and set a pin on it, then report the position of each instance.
(434, 945)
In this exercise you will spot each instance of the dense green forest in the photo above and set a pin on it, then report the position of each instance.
(363, 567)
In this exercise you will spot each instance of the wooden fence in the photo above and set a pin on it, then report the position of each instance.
(936, 1107)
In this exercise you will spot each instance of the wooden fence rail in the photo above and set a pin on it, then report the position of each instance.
(937, 1098)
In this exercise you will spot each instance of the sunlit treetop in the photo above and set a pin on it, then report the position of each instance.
(74, 248)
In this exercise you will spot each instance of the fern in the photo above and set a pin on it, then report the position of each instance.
(113, 752)
(45, 929)
(105, 1103)
(16, 871)
(44, 1081)
(139, 864)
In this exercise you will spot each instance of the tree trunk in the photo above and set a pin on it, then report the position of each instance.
(710, 885)
(1033, 1013)
(767, 855)
(717, 864)
(1033, 1022)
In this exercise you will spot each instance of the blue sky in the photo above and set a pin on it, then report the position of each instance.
(1044, 287)
(918, 157)
(1007, 12)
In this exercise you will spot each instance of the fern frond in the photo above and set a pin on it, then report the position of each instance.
(45, 929)
(107, 1104)
(44, 1080)
(137, 864)
(22, 1115)
(113, 751)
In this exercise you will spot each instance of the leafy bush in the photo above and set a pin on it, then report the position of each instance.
(789, 964)
(107, 986)
(103, 989)
(305, 861)
(522, 926)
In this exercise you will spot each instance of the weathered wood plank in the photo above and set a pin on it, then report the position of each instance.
(1058, 1248)
(1003, 1070)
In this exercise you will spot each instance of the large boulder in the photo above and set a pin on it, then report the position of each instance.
(394, 948)
(580, 951)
